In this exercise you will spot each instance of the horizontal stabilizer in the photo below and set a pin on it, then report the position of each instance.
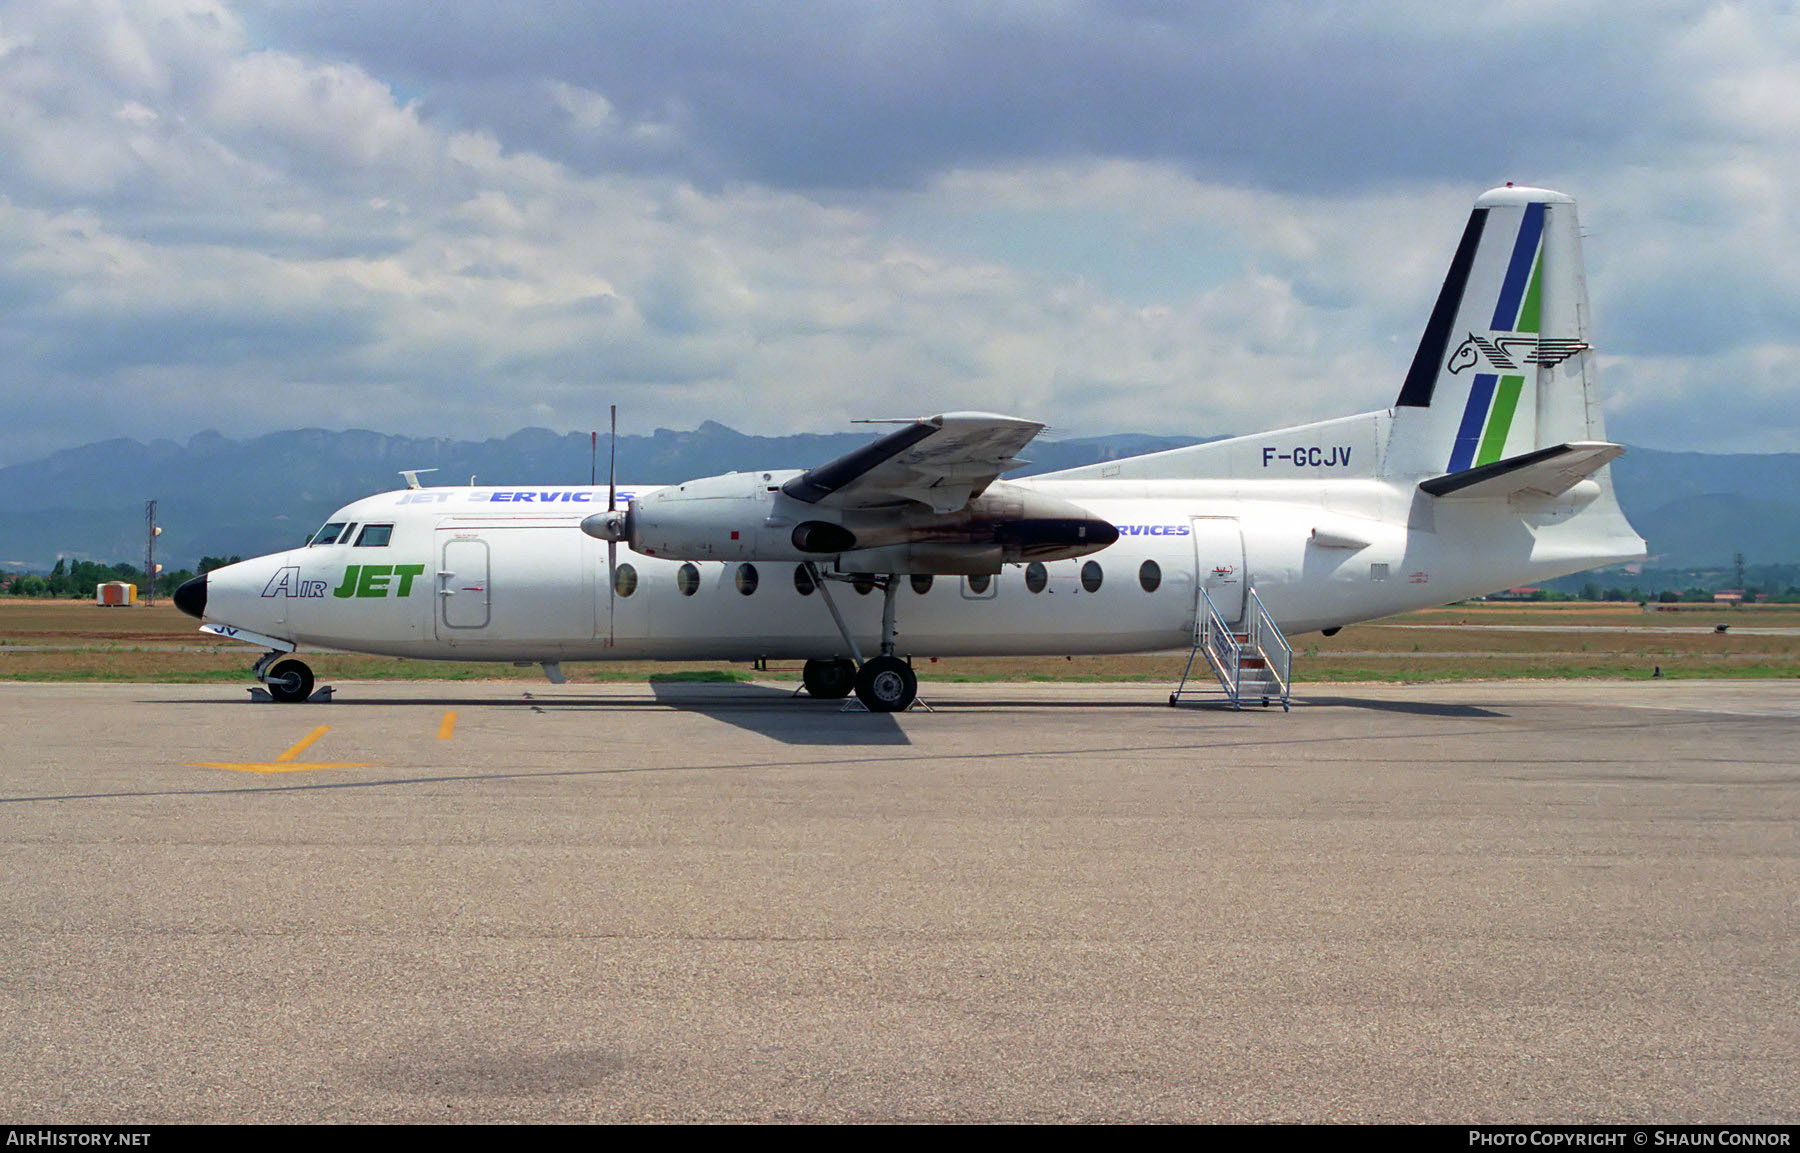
(1545, 473)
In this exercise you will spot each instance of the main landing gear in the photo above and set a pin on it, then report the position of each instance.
(882, 684)
(885, 683)
(831, 680)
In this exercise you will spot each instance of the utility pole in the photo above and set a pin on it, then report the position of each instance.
(151, 532)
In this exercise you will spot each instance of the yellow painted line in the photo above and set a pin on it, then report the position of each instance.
(304, 741)
(279, 767)
(285, 763)
(449, 726)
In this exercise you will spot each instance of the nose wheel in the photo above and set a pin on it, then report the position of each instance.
(288, 681)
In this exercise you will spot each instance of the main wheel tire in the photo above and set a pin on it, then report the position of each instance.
(886, 685)
(290, 682)
(831, 680)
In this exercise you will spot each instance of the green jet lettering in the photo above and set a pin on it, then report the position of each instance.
(374, 580)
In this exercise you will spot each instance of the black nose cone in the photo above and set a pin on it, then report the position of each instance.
(190, 598)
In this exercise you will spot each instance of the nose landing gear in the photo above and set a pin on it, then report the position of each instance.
(289, 681)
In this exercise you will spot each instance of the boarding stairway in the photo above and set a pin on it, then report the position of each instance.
(1251, 661)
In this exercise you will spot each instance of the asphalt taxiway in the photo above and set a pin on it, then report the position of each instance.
(494, 902)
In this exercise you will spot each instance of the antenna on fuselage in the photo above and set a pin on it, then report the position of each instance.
(412, 476)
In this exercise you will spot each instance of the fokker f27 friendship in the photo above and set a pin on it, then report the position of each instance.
(1489, 470)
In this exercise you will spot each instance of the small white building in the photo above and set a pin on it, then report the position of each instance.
(115, 593)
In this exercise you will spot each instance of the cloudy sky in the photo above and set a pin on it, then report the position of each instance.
(1163, 216)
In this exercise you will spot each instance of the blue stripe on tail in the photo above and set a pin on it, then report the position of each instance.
(1468, 435)
(1518, 270)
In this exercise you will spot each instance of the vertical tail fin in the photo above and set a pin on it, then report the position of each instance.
(1505, 366)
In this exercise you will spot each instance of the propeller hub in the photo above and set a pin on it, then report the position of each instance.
(611, 526)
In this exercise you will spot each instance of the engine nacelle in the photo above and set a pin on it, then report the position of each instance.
(937, 559)
(746, 517)
(725, 517)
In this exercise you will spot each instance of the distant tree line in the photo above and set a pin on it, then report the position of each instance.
(78, 578)
(1779, 582)
(1592, 591)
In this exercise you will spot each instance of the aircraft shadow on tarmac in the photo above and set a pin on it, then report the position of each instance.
(797, 719)
(1411, 708)
(778, 714)
(769, 710)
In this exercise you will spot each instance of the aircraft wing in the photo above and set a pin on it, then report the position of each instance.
(1545, 473)
(939, 461)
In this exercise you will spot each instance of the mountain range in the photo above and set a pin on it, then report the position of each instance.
(221, 496)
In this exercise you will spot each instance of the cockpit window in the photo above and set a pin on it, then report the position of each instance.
(328, 534)
(374, 534)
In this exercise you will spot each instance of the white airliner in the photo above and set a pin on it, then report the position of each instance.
(1490, 470)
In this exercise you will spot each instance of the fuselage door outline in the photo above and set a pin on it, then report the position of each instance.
(1219, 565)
(463, 583)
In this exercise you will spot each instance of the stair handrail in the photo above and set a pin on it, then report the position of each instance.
(1262, 627)
(1223, 653)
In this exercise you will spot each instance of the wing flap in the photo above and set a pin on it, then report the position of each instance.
(939, 461)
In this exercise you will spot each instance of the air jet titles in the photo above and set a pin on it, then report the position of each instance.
(368, 580)
(374, 580)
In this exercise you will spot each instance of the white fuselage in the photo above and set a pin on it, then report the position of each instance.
(507, 574)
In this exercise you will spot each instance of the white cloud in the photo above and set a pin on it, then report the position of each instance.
(276, 220)
(326, 118)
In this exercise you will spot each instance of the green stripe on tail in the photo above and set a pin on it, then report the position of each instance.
(1506, 402)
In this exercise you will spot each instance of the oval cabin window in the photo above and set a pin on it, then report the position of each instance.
(746, 579)
(687, 579)
(1150, 576)
(625, 580)
(1036, 576)
(1091, 576)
